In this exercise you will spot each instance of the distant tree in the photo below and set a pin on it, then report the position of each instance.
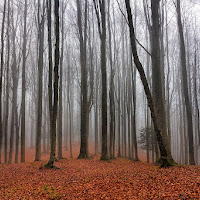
(1, 75)
(60, 112)
(23, 108)
(15, 78)
(146, 134)
(7, 86)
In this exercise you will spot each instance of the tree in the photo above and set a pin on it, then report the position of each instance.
(165, 159)
(54, 106)
(61, 88)
(23, 108)
(40, 19)
(15, 78)
(185, 86)
(7, 86)
(111, 92)
(157, 77)
(101, 19)
(1, 75)
(84, 91)
(146, 134)
(156, 32)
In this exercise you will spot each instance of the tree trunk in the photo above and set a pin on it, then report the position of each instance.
(84, 103)
(165, 159)
(40, 83)
(1, 75)
(185, 87)
(101, 17)
(14, 96)
(23, 108)
(61, 91)
(112, 113)
(157, 80)
(7, 87)
(53, 109)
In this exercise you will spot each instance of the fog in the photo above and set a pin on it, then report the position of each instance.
(69, 78)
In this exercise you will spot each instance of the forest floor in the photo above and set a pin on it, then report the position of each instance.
(95, 179)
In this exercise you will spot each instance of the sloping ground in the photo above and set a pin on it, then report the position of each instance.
(95, 179)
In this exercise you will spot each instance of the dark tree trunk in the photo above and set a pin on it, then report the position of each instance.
(134, 137)
(84, 103)
(40, 83)
(53, 109)
(112, 110)
(17, 134)
(101, 17)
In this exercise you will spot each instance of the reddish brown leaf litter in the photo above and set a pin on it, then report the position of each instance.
(95, 179)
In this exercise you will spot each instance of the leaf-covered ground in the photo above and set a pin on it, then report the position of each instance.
(95, 179)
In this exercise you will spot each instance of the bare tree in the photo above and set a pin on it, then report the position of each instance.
(165, 159)
(23, 86)
(40, 19)
(185, 86)
(84, 90)
(54, 105)
(101, 19)
(1, 75)
(7, 86)
(61, 88)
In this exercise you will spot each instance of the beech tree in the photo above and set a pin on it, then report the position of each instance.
(53, 94)
(101, 19)
(1, 75)
(185, 86)
(166, 160)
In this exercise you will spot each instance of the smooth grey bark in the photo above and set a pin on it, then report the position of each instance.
(14, 113)
(7, 86)
(168, 77)
(196, 92)
(185, 86)
(60, 130)
(40, 81)
(69, 91)
(119, 116)
(23, 108)
(1, 75)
